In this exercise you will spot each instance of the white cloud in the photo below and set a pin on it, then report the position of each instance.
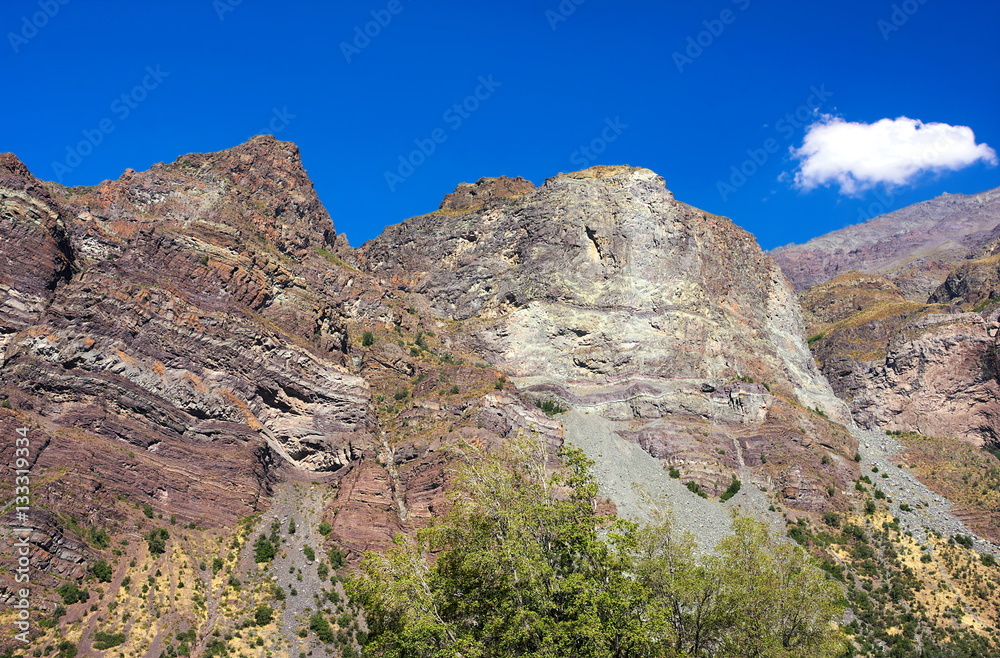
(890, 152)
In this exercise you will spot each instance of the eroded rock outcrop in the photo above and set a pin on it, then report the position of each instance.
(601, 290)
(904, 366)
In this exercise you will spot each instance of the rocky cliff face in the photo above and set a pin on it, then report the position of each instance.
(975, 283)
(185, 341)
(916, 246)
(904, 366)
(185, 318)
(600, 290)
(186, 337)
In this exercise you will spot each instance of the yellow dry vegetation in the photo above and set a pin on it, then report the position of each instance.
(966, 475)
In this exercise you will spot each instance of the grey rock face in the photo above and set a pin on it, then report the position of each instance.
(601, 290)
(613, 295)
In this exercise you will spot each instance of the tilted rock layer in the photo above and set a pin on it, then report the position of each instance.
(181, 339)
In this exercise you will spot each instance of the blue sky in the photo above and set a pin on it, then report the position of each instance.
(534, 82)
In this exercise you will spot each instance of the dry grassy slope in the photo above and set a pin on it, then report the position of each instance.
(907, 595)
(967, 476)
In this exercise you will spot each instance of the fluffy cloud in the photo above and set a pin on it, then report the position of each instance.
(891, 152)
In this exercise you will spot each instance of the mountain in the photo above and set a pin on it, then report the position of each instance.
(600, 290)
(915, 246)
(226, 405)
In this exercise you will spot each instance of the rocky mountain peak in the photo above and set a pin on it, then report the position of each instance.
(11, 165)
(470, 196)
(610, 171)
(599, 289)
(257, 190)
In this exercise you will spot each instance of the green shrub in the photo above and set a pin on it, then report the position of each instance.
(157, 540)
(263, 550)
(673, 472)
(263, 615)
(734, 488)
(71, 593)
(309, 553)
(104, 640)
(695, 488)
(550, 407)
(319, 625)
(336, 557)
(99, 538)
(325, 528)
(102, 571)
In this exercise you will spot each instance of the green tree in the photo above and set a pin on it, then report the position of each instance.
(521, 570)
(778, 603)
(524, 566)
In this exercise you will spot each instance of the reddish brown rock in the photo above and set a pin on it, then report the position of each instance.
(471, 196)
